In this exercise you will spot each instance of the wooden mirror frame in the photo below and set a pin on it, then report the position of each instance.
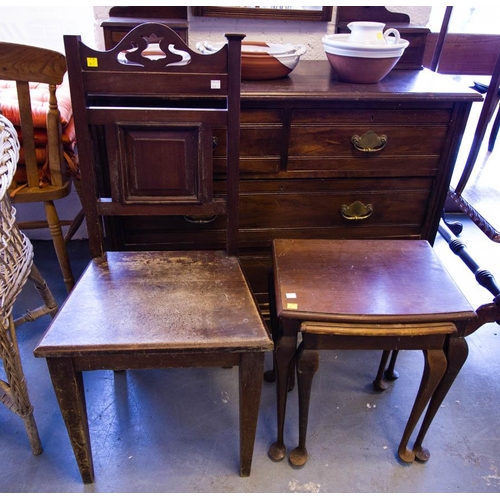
(325, 14)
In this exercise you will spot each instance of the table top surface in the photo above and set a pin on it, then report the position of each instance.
(365, 280)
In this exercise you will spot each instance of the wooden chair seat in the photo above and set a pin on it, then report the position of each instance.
(158, 301)
(33, 195)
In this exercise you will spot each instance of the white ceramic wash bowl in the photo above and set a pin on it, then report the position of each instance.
(340, 45)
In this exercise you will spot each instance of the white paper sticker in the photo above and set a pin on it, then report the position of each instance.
(291, 295)
(215, 84)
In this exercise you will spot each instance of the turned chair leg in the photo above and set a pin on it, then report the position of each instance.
(50, 305)
(59, 244)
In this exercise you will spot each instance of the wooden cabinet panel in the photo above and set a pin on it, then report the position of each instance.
(161, 164)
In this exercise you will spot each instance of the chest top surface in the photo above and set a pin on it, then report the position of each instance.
(317, 80)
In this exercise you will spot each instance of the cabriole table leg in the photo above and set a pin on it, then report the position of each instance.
(284, 352)
(434, 369)
(456, 352)
(307, 366)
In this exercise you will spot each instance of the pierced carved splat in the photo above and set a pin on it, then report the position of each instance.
(153, 46)
(150, 55)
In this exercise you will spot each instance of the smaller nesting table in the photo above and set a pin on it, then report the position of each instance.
(368, 295)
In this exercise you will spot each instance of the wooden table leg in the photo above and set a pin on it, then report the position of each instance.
(270, 375)
(68, 386)
(456, 352)
(390, 373)
(379, 384)
(251, 376)
(434, 369)
(284, 352)
(307, 366)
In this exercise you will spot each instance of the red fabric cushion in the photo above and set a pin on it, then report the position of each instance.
(39, 106)
(39, 102)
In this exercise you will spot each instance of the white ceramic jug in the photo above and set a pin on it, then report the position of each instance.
(371, 33)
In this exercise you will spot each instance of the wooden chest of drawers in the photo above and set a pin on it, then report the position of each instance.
(123, 18)
(115, 28)
(326, 159)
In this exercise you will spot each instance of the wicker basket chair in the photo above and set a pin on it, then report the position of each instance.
(16, 268)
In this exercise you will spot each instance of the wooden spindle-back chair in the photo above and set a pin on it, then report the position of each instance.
(46, 179)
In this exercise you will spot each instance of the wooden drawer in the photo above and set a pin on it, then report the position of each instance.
(411, 140)
(372, 115)
(261, 142)
(299, 208)
(363, 165)
(318, 203)
(335, 141)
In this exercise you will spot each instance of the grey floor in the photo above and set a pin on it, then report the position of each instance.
(177, 430)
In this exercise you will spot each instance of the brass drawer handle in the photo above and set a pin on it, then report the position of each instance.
(200, 219)
(370, 142)
(357, 211)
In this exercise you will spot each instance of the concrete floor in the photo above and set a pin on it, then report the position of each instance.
(177, 430)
